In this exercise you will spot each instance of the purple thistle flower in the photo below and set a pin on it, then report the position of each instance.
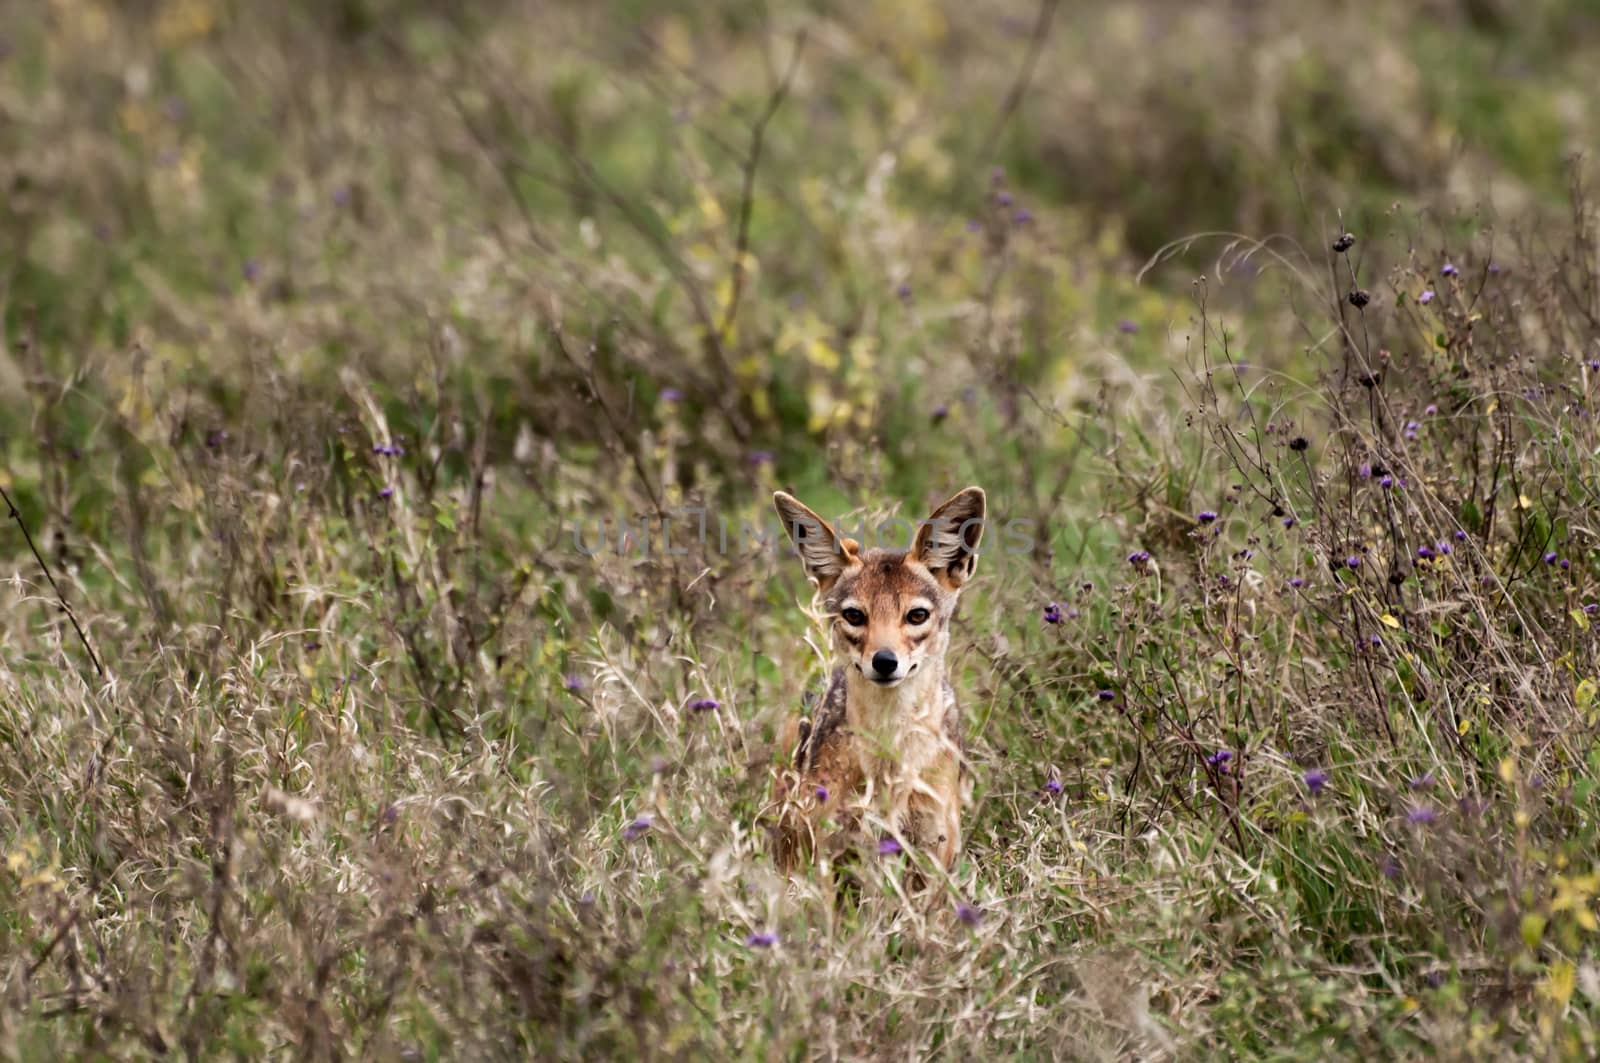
(1423, 781)
(1053, 787)
(1550, 558)
(1461, 535)
(940, 412)
(1004, 199)
(639, 826)
(1389, 866)
(1138, 558)
(1375, 640)
(1448, 270)
(1288, 522)
(764, 939)
(573, 682)
(1353, 561)
(1422, 815)
(888, 847)
(1297, 583)
(822, 794)
(1386, 483)
(1431, 410)
(1591, 608)
(1565, 563)
(1107, 695)
(1219, 758)
(705, 704)
(1023, 216)
(1072, 612)
(1425, 553)
(1052, 613)
(387, 492)
(1316, 781)
(1426, 297)
(1364, 470)
(1205, 516)
(968, 914)
(1443, 547)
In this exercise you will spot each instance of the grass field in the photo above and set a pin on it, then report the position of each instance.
(394, 392)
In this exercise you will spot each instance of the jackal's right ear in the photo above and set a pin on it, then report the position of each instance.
(822, 552)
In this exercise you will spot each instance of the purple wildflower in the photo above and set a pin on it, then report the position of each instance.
(1219, 758)
(1052, 613)
(1296, 582)
(1448, 270)
(1426, 297)
(904, 292)
(1107, 695)
(940, 412)
(639, 826)
(1129, 327)
(822, 794)
(888, 847)
(1353, 561)
(1316, 781)
(1461, 535)
(1386, 483)
(573, 682)
(968, 914)
(1004, 199)
(1423, 781)
(705, 704)
(1023, 216)
(671, 395)
(1138, 558)
(1205, 516)
(1422, 815)
(1550, 558)
(251, 270)
(387, 492)
(764, 939)
(1053, 787)
(1424, 553)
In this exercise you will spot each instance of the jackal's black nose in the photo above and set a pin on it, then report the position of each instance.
(884, 663)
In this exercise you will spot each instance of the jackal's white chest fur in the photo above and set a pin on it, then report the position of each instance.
(903, 735)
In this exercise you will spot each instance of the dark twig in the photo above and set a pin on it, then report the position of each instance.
(758, 134)
(1008, 107)
(16, 515)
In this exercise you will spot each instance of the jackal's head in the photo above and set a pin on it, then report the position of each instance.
(889, 610)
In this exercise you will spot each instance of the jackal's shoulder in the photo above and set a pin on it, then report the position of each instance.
(823, 722)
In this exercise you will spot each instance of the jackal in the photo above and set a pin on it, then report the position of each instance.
(882, 752)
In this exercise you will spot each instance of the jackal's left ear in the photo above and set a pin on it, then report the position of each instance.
(948, 540)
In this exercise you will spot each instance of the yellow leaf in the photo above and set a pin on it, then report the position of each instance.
(1463, 727)
(1524, 501)
(1558, 985)
(1508, 770)
(1583, 697)
(1533, 929)
(1389, 620)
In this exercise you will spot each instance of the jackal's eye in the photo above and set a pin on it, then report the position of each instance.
(854, 617)
(917, 616)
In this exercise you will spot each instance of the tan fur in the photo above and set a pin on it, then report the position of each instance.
(885, 755)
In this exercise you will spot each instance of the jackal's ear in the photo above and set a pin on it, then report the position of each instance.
(824, 554)
(947, 542)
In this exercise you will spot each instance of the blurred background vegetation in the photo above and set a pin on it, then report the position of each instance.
(328, 330)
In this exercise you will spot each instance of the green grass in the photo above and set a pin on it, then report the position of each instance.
(383, 764)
